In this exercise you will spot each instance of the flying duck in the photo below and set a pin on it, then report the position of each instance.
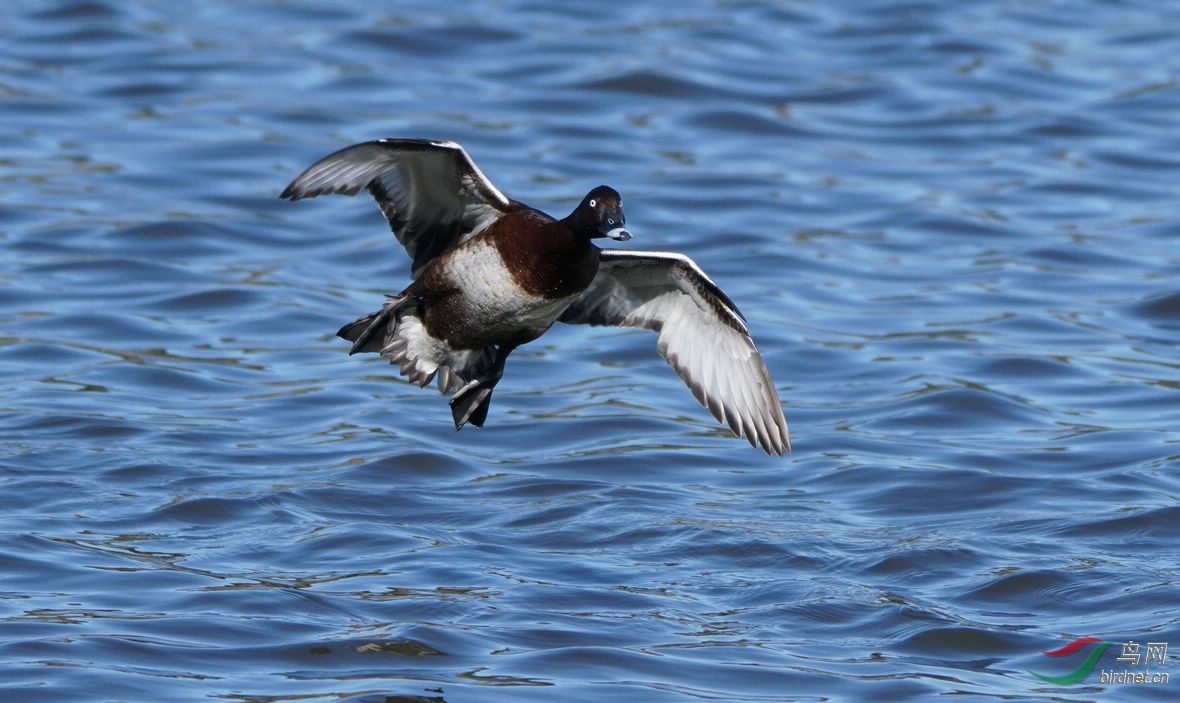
(490, 274)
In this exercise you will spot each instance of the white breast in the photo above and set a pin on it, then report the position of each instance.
(493, 296)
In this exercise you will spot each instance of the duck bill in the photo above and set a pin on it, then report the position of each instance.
(619, 234)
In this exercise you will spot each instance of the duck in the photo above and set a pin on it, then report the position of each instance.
(489, 274)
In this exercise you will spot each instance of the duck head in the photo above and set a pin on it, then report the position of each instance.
(600, 214)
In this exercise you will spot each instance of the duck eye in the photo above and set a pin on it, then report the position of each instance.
(593, 202)
(610, 220)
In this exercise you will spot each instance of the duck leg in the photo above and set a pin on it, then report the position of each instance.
(470, 403)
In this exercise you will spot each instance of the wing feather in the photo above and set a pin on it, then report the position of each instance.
(432, 193)
(701, 335)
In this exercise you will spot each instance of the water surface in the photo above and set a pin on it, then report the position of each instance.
(952, 228)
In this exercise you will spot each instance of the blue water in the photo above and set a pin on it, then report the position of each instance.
(952, 226)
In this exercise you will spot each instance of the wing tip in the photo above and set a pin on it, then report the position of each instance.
(768, 433)
(779, 446)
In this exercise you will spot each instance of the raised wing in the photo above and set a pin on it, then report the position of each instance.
(432, 193)
(701, 334)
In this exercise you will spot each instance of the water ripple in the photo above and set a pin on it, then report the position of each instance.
(951, 228)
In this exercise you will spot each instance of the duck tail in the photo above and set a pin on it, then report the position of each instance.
(372, 332)
(396, 332)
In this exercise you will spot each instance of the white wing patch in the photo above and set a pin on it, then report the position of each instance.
(701, 335)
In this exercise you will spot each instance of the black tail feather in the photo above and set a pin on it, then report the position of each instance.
(378, 332)
(368, 333)
(371, 332)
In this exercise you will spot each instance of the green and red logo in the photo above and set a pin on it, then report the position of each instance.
(1154, 652)
(1080, 673)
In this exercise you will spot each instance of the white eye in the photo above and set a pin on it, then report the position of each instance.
(593, 202)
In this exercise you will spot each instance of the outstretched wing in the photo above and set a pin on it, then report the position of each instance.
(432, 193)
(701, 334)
